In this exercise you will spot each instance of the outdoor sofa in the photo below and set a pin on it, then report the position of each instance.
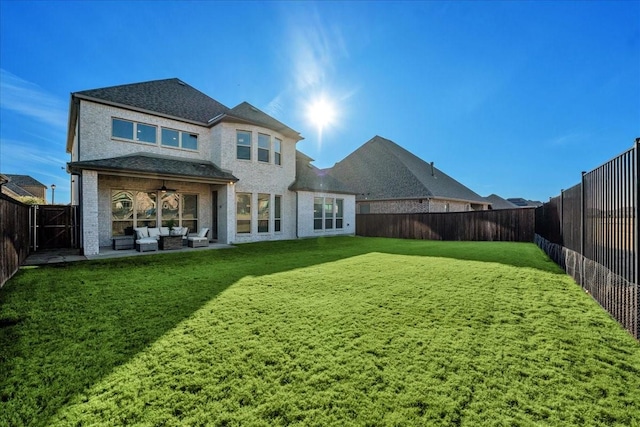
(147, 238)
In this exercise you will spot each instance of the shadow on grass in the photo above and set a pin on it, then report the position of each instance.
(64, 327)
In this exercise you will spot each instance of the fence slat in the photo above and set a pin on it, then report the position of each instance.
(513, 225)
(14, 225)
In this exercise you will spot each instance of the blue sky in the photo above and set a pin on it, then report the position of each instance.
(512, 98)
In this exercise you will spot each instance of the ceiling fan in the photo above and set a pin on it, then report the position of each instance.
(164, 189)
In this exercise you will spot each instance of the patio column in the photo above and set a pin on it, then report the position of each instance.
(89, 202)
(227, 214)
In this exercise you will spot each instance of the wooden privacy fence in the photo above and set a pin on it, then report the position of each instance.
(14, 226)
(592, 231)
(512, 225)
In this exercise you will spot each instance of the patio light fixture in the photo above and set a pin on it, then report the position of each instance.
(164, 189)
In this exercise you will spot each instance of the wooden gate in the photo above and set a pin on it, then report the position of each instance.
(55, 227)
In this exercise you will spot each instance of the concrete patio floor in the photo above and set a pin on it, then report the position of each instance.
(54, 256)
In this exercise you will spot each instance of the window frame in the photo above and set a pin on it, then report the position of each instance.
(264, 212)
(134, 131)
(249, 221)
(249, 145)
(180, 141)
(277, 213)
(277, 151)
(157, 219)
(328, 219)
(261, 139)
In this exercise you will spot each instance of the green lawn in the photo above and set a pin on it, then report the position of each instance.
(339, 331)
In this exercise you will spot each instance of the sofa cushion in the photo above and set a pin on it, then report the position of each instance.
(154, 232)
(164, 231)
(203, 232)
(146, 240)
(141, 232)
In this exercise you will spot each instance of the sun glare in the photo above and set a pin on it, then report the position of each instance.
(321, 113)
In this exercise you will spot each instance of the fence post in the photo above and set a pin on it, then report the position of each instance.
(583, 222)
(562, 217)
(636, 233)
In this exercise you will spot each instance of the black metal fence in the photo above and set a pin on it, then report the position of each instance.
(591, 230)
(14, 226)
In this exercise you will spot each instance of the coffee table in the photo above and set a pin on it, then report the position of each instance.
(170, 242)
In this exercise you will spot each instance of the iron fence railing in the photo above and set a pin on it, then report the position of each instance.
(591, 230)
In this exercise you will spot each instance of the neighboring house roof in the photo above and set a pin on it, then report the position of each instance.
(310, 178)
(170, 97)
(498, 202)
(382, 170)
(519, 201)
(155, 165)
(16, 184)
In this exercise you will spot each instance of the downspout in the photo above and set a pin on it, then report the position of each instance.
(297, 237)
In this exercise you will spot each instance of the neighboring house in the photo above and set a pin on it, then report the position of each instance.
(519, 201)
(389, 179)
(498, 202)
(24, 186)
(148, 153)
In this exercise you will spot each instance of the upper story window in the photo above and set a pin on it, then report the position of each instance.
(140, 132)
(178, 139)
(243, 145)
(264, 147)
(133, 131)
(277, 146)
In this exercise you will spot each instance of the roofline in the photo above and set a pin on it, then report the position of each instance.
(230, 118)
(75, 169)
(73, 118)
(453, 199)
(137, 109)
(315, 190)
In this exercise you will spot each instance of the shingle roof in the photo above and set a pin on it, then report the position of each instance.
(16, 183)
(247, 112)
(25, 180)
(381, 169)
(310, 178)
(171, 97)
(498, 202)
(149, 164)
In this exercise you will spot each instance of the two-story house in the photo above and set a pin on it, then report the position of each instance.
(161, 152)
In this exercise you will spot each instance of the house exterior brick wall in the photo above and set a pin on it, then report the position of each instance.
(305, 215)
(97, 143)
(90, 218)
(259, 178)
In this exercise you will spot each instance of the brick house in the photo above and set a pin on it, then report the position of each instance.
(24, 186)
(389, 179)
(150, 153)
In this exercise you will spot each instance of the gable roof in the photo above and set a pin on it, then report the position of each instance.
(310, 178)
(156, 166)
(498, 202)
(16, 184)
(173, 98)
(247, 113)
(382, 170)
(169, 97)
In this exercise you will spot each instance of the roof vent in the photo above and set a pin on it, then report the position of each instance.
(181, 83)
(433, 173)
(254, 109)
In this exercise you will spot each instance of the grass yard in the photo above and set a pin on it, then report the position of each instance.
(322, 332)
